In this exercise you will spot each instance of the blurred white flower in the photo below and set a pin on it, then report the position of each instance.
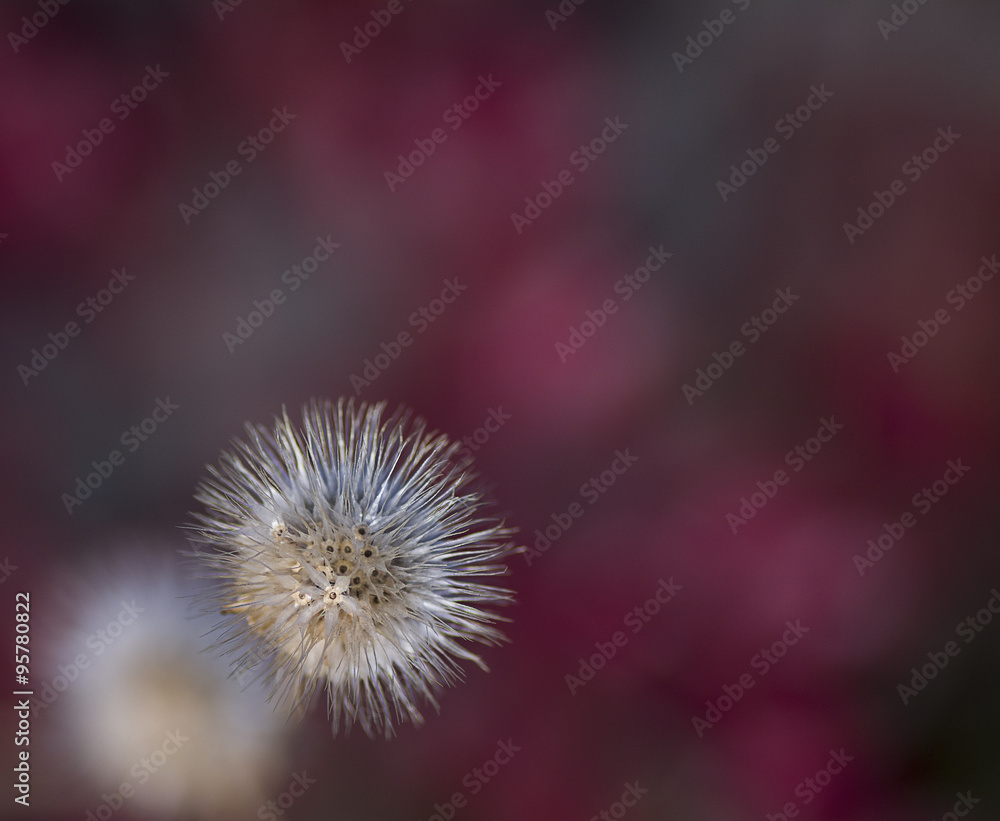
(150, 721)
(348, 556)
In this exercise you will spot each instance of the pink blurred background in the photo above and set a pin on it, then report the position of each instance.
(218, 72)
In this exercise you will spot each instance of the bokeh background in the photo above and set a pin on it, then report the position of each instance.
(222, 69)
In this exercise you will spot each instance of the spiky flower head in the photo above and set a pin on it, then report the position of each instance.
(347, 553)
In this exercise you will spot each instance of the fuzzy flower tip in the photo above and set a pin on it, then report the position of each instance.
(346, 555)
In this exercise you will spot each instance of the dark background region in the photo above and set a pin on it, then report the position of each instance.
(684, 108)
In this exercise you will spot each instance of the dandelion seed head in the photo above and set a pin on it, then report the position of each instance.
(347, 552)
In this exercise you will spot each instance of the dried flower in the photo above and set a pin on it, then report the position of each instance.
(347, 555)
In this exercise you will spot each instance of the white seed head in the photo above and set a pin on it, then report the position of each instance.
(346, 556)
